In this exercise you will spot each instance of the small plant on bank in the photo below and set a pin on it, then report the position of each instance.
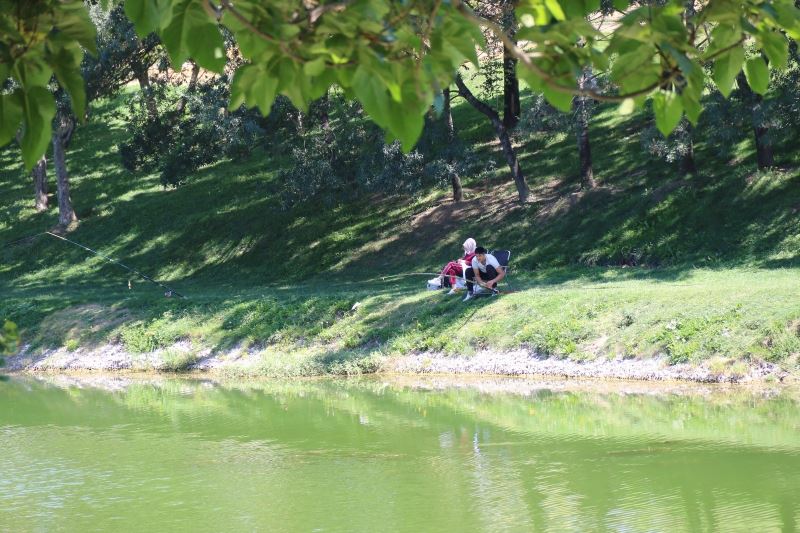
(72, 345)
(142, 338)
(173, 360)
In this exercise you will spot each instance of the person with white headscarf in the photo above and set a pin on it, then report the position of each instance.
(469, 246)
(455, 269)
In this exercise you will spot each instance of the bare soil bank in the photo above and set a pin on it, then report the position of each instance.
(182, 357)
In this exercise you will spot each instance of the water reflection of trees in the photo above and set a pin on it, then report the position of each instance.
(544, 460)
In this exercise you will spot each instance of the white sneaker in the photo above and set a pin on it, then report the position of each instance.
(468, 297)
(479, 290)
(452, 291)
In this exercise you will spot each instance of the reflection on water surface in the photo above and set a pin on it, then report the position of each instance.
(395, 455)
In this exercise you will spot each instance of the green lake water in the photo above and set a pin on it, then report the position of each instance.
(392, 454)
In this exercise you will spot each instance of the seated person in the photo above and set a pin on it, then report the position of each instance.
(454, 269)
(485, 271)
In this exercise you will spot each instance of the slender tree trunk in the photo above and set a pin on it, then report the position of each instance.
(755, 102)
(582, 110)
(455, 179)
(764, 155)
(511, 105)
(65, 125)
(143, 78)
(324, 105)
(684, 132)
(189, 89)
(40, 185)
(502, 136)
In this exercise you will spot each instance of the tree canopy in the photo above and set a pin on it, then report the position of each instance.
(395, 57)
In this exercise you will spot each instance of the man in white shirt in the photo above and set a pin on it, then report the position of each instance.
(485, 271)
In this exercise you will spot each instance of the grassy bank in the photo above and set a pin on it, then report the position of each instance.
(728, 319)
(702, 269)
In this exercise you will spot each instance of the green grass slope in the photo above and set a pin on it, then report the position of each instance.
(694, 269)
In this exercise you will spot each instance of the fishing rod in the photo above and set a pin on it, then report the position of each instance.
(384, 278)
(170, 291)
(546, 288)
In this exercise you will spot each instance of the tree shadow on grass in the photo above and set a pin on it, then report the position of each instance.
(224, 232)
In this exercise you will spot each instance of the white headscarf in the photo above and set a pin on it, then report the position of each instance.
(469, 246)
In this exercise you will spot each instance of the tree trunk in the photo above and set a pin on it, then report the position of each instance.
(40, 185)
(511, 105)
(324, 104)
(502, 136)
(684, 132)
(755, 103)
(143, 78)
(764, 155)
(455, 179)
(65, 125)
(685, 129)
(189, 89)
(582, 109)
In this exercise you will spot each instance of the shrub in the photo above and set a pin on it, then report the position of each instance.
(177, 360)
(177, 143)
(143, 338)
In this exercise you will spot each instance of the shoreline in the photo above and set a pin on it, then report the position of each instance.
(183, 359)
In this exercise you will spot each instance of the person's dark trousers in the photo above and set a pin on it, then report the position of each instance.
(490, 273)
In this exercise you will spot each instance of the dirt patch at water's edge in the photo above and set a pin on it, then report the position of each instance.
(114, 358)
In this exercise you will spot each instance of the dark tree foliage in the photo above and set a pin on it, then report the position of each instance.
(677, 149)
(338, 161)
(181, 139)
(121, 56)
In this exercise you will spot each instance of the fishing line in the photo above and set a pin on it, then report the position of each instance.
(170, 291)
(173, 292)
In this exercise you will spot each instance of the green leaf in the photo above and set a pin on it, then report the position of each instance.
(789, 19)
(32, 70)
(264, 93)
(726, 68)
(293, 83)
(242, 86)
(191, 33)
(757, 74)
(74, 22)
(634, 68)
(530, 77)
(315, 67)
(621, 5)
(10, 117)
(691, 107)
(555, 9)
(65, 59)
(776, 47)
(560, 100)
(372, 95)
(253, 86)
(320, 84)
(668, 111)
(590, 6)
(39, 108)
(149, 15)
(406, 125)
(723, 36)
